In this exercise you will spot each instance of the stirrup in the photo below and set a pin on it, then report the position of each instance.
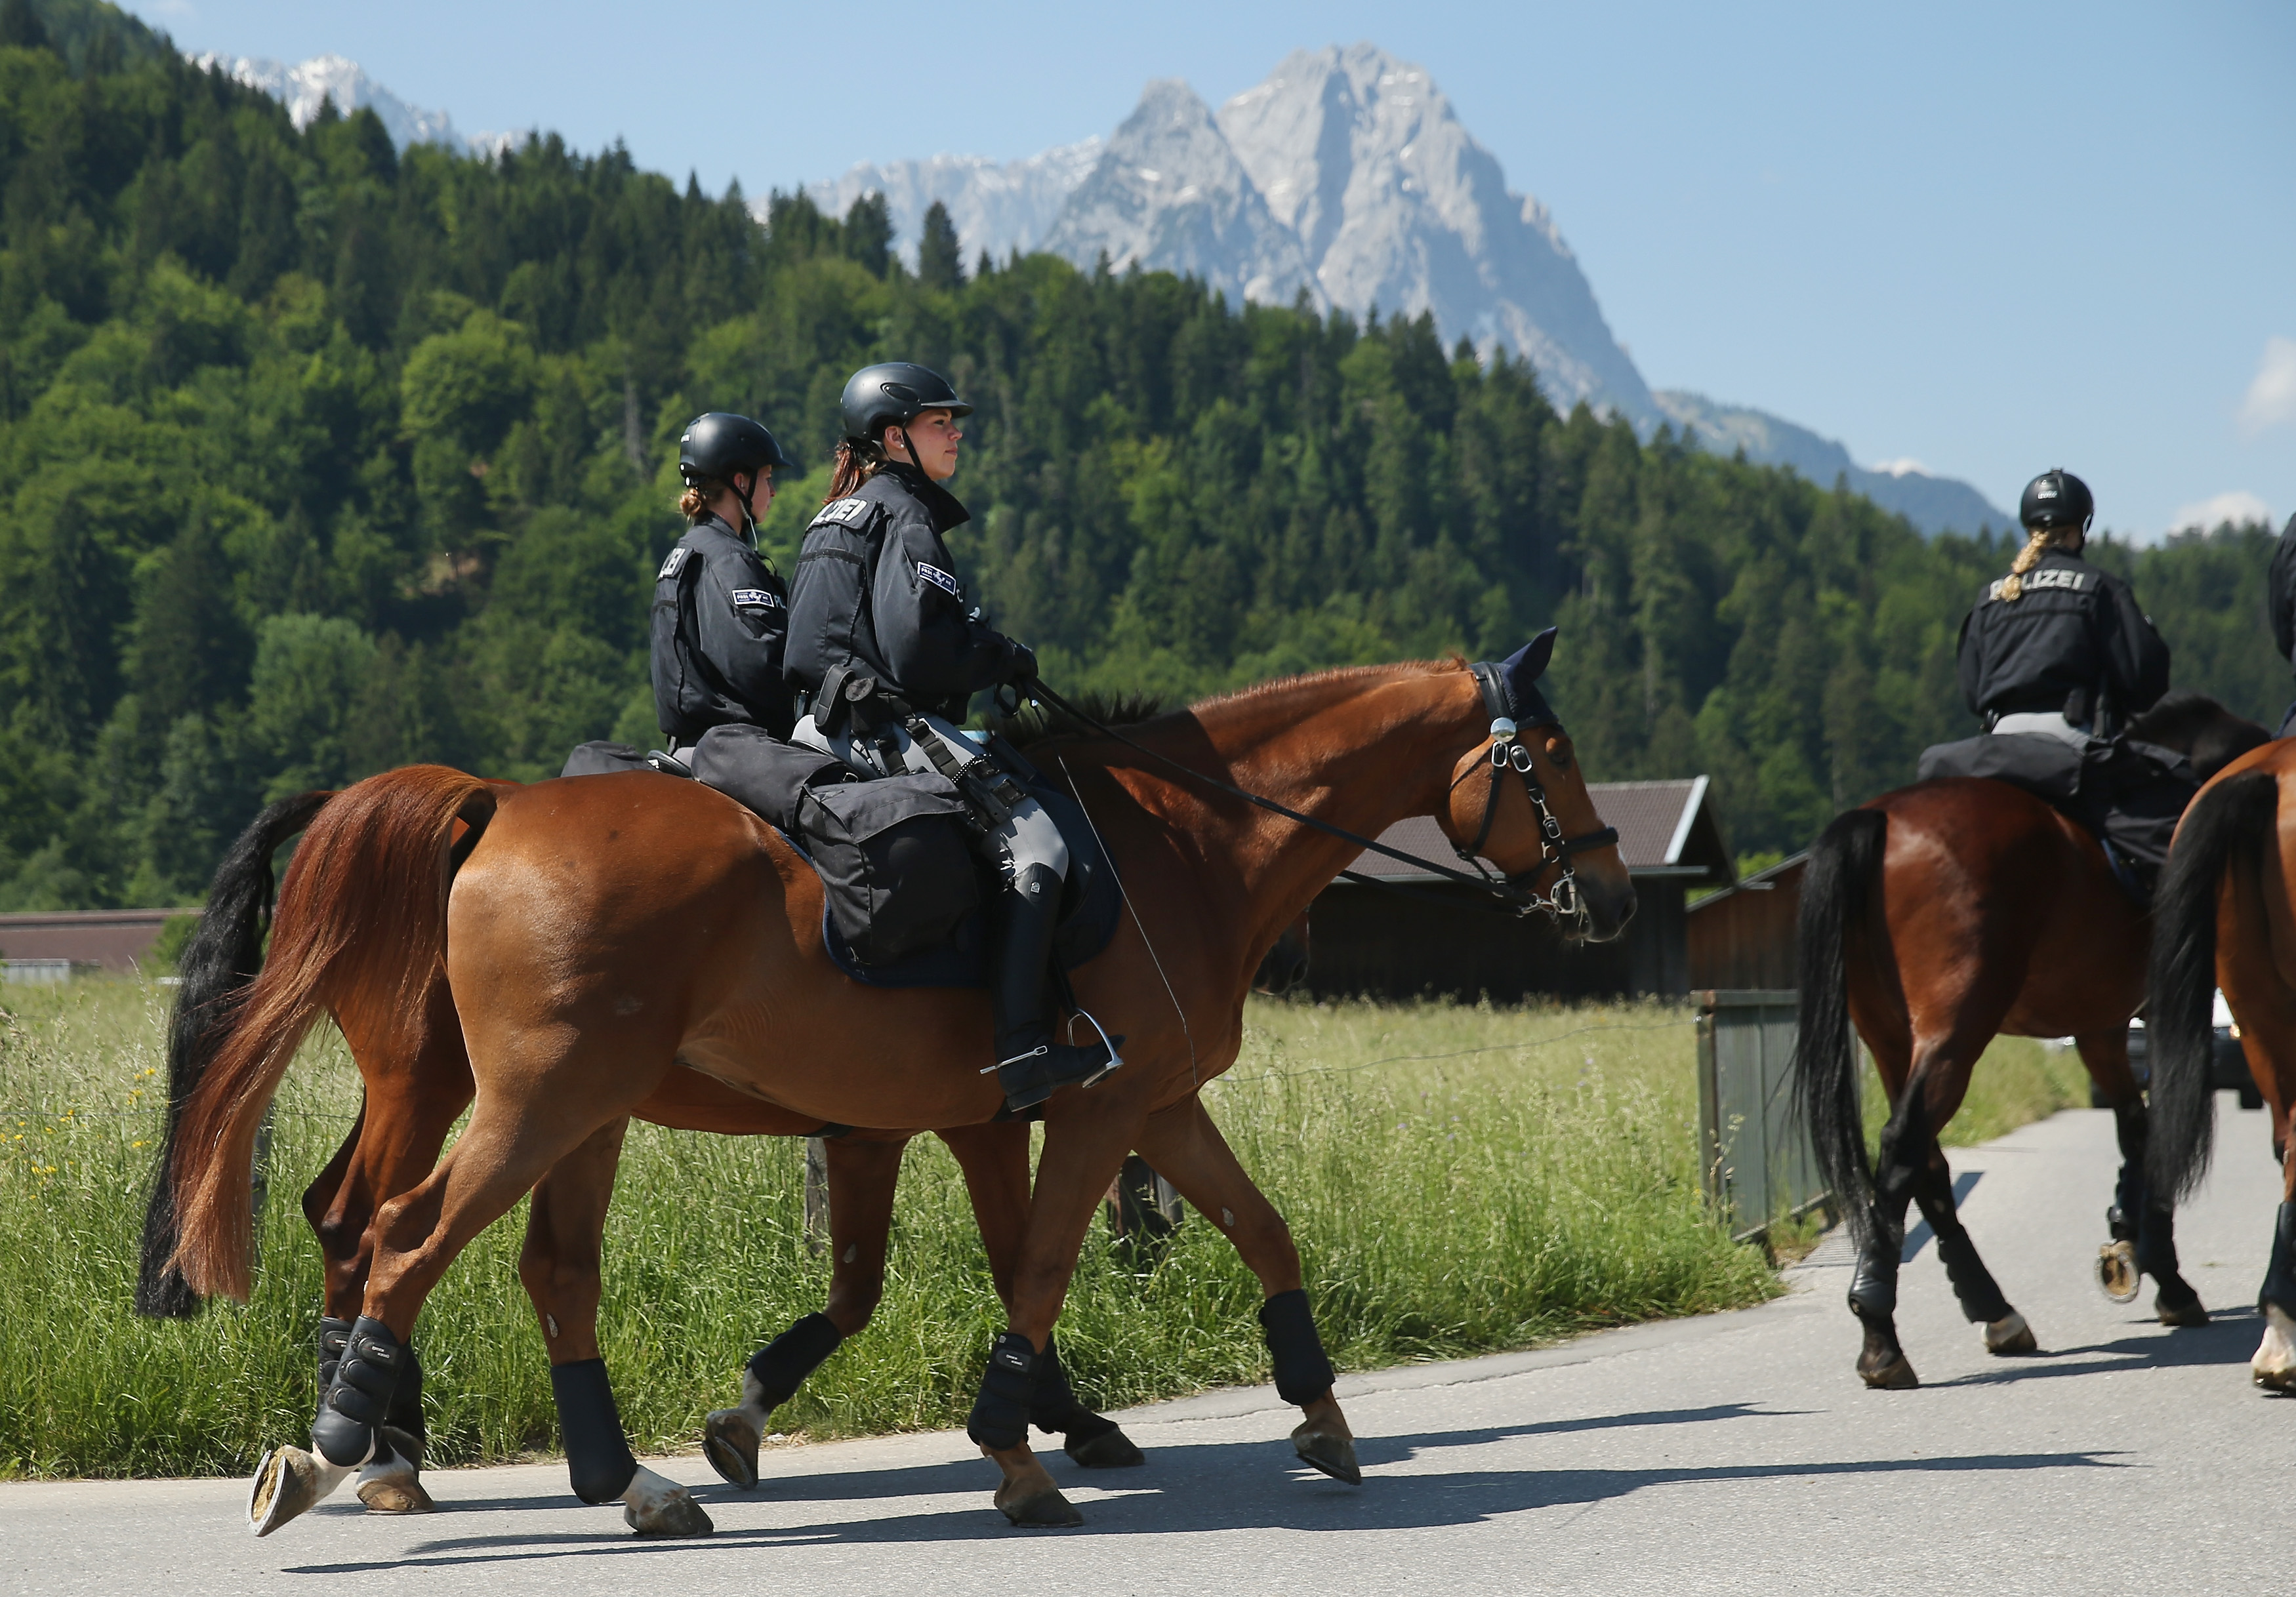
(1031, 1076)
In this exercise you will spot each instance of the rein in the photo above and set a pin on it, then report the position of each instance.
(1563, 902)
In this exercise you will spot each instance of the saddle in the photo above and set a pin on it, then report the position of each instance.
(905, 898)
(2127, 794)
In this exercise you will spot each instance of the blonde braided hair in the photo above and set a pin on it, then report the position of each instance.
(2012, 587)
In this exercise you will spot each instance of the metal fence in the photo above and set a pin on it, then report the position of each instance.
(1759, 1162)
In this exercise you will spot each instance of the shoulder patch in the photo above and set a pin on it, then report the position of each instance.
(756, 599)
(845, 513)
(939, 579)
(673, 564)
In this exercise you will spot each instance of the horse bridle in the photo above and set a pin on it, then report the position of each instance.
(1509, 716)
(1565, 903)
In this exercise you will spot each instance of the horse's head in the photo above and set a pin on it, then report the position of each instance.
(2199, 728)
(1527, 764)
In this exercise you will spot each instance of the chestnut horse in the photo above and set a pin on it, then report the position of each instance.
(600, 933)
(2228, 915)
(1934, 919)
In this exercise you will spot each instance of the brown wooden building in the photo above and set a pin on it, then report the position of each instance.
(1744, 936)
(1448, 939)
(118, 941)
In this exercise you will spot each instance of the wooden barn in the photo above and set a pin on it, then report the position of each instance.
(55, 944)
(1446, 937)
(1743, 935)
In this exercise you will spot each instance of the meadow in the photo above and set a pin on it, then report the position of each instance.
(1461, 1179)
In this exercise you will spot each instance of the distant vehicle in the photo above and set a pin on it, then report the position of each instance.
(2227, 1065)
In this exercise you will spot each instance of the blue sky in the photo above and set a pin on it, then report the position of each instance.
(1987, 237)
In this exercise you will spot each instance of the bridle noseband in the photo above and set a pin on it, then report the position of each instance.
(1563, 902)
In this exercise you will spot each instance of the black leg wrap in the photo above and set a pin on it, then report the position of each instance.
(781, 1366)
(1056, 1411)
(1874, 1285)
(1008, 1388)
(334, 1336)
(1981, 1302)
(1302, 1372)
(2120, 1223)
(2156, 1249)
(405, 1413)
(358, 1398)
(2280, 1279)
(599, 1463)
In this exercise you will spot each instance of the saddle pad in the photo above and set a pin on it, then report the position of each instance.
(1091, 898)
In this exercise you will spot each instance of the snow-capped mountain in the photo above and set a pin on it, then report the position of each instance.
(1395, 205)
(997, 206)
(304, 86)
(1932, 504)
(1169, 192)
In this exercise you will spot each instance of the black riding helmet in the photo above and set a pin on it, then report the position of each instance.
(894, 394)
(717, 445)
(2056, 498)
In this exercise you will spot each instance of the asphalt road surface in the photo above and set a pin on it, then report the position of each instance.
(1735, 1453)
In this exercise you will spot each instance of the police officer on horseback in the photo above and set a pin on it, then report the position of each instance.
(2058, 646)
(720, 611)
(888, 653)
(2056, 659)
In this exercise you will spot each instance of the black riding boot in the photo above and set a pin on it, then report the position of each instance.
(1030, 1065)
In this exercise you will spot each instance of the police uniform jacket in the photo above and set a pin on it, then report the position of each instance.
(2074, 637)
(720, 619)
(876, 594)
(2283, 592)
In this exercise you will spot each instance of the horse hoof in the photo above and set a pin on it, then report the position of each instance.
(2008, 1335)
(1042, 1509)
(2116, 1271)
(1896, 1376)
(2181, 1314)
(1112, 1449)
(395, 1492)
(289, 1482)
(673, 1514)
(730, 1442)
(2274, 1380)
(1334, 1455)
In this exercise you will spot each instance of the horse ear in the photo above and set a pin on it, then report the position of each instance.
(1527, 664)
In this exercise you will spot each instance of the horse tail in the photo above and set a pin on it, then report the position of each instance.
(2223, 830)
(217, 966)
(1836, 888)
(361, 927)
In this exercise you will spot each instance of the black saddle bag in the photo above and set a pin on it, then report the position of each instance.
(750, 765)
(895, 862)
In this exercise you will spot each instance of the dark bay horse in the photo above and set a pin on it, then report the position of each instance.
(1934, 919)
(2227, 919)
(601, 934)
(421, 1058)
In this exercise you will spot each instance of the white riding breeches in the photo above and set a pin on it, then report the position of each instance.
(2047, 724)
(1030, 838)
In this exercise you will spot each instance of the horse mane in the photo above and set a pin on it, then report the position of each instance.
(2200, 728)
(1043, 723)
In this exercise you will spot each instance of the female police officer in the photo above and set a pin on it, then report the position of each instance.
(719, 613)
(888, 653)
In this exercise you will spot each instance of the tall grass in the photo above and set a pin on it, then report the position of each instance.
(1459, 1178)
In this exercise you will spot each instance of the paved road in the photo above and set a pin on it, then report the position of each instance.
(1736, 1452)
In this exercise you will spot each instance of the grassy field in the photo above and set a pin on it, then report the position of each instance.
(1460, 1178)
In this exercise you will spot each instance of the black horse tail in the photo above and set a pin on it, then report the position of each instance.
(2224, 830)
(1836, 887)
(218, 967)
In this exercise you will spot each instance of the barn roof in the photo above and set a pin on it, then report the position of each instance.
(1665, 829)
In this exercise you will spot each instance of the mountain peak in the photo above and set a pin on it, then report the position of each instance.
(305, 86)
(1167, 192)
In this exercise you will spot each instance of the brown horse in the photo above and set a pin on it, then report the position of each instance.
(2227, 915)
(1934, 919)
(600, 933)
(414, 1098)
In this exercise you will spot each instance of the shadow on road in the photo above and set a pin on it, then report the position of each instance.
(2229, 1338)
(1207, 1488)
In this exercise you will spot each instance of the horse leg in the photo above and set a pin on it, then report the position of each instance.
(1934, 1091)
(510, 1145)
(1087, 1138)
(995, 1159)
(560, 1268)
(403, 1122)
(1981, 1302)
(863, 1177)
(2143, 1231)
(1187, 1150)
(2263, 996)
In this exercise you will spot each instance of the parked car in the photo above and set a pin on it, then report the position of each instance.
(2227, 1065)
